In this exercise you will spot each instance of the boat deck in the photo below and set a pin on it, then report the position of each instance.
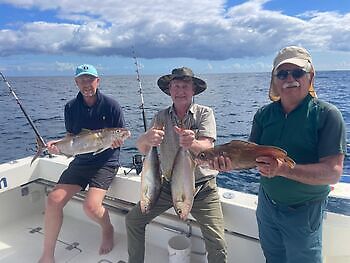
(23, 192)
(22, 230)
(78, 242)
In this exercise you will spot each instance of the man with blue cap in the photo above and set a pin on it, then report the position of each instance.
(91, 110)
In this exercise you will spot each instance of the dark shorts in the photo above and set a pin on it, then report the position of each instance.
(99, 177)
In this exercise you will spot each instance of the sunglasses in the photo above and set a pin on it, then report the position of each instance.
(296, 73)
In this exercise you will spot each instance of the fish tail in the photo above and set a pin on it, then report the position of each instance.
(41, 147)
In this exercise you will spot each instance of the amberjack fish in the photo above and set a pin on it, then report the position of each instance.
(182, 183)
(243, 154)
(151, 180)
(87, 141)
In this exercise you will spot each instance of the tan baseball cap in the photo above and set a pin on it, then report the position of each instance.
(298, 56)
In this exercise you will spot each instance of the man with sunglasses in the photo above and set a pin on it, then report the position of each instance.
(292, 200)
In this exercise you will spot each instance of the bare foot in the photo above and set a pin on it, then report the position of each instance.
(45, 259)
(107, 240)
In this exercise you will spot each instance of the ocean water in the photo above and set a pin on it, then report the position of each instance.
(234, 98)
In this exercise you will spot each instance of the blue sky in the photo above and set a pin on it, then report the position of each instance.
(45, 38)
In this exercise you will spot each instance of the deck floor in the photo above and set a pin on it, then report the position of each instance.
(18, 244)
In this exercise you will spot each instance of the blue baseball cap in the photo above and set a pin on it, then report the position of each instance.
(86, 69)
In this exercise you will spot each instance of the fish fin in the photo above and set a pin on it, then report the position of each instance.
(41, 147)
(100, 150)
(241, 143)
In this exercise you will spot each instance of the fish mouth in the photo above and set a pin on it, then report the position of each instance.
(182, 215)
(144, 209)
(201, 163)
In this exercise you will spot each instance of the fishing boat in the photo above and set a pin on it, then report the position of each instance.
(23, 192)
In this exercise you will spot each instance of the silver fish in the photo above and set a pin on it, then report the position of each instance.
(150, 180)
(87, 141)
(182, 183)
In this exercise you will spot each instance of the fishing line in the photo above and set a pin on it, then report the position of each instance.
(23, 110)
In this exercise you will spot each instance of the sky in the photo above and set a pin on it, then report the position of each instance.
(50, 38)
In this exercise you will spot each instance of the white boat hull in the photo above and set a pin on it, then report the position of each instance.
(23, 190)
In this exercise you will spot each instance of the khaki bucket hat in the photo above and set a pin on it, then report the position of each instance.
(298, 56)
(181, 73)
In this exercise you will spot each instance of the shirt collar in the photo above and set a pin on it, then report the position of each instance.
(191, 109)
(306, 100)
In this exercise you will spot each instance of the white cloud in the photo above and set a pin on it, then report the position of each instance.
(200, 29)
(64, 66)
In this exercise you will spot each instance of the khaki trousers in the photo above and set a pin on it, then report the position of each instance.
(206, 210)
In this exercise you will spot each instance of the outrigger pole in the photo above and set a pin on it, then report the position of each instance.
(23, 110)
(140, 91)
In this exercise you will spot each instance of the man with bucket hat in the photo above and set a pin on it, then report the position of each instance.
(89, 110)
(312, 132)
(191, 126)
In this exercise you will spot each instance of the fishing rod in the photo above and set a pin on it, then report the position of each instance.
(137, 159)
(23, 110)
(140, 91)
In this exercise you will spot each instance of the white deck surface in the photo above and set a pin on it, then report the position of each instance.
(18, 244)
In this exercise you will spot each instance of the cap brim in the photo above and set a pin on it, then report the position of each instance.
(295, 61)
(163, 83)
(86, 73)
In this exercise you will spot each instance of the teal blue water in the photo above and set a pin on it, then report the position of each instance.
(234, 98)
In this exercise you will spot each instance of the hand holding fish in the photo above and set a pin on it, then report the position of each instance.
(154, 136)
(269, 166)
(186, 137)
(52, 148)
(117, 143)
(221, 163)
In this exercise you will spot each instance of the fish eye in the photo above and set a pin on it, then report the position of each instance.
(179, 211)
(201, 156)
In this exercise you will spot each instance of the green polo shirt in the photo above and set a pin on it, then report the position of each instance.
(198, 118)
(313, 130)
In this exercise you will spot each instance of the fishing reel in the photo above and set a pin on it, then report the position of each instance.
(137, 162)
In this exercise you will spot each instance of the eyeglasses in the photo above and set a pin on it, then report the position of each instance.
(296, 73)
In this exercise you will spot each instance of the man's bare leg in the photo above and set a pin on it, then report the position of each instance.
(56, 200)
(94, 209)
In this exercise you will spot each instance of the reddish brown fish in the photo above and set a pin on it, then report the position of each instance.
(243, 154)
